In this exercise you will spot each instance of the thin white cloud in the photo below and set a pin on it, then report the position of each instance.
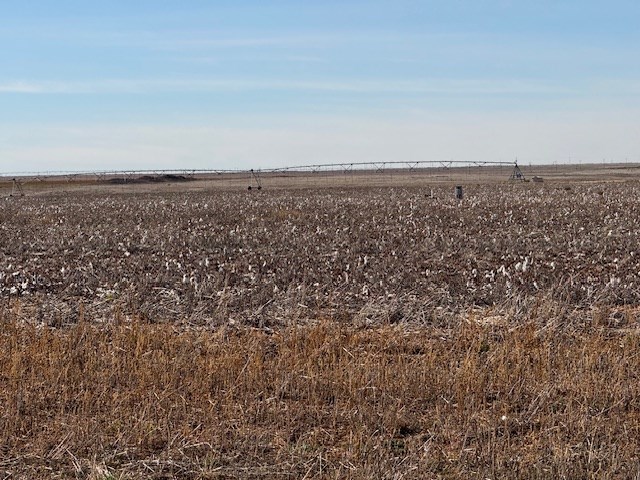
(439, 87)
(240, 41)
(175, 39)
(21, 87)
(253, 58)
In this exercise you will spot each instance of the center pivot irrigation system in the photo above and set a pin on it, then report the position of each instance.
(382, 167)
(255, 176)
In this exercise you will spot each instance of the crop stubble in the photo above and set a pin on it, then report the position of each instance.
(332, 333)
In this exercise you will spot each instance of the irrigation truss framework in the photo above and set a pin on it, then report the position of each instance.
(345, 167)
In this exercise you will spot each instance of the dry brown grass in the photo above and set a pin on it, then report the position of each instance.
(325, 401)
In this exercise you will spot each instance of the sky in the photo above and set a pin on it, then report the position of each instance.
(215, 84)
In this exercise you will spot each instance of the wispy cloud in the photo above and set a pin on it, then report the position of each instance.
(21, 87)
(354, 86)
(253, 58)
(239, 40)
(176, 39)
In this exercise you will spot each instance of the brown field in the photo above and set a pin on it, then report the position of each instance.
(338, 326)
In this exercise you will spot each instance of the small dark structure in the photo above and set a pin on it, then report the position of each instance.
(17, 189)
(517, 174)
(255, 177)
(459, 193)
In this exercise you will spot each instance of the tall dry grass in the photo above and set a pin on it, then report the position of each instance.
(324, 401)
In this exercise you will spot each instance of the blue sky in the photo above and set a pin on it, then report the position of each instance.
(251, 84)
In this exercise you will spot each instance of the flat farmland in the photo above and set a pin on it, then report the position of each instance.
(378, 329)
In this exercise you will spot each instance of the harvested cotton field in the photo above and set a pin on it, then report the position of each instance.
(356, 255)
(351, 332)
